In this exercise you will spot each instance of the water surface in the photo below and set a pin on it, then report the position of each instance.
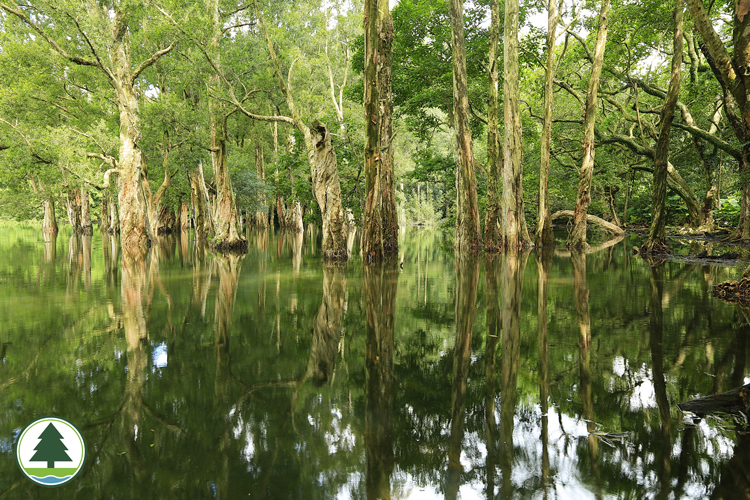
(270, 375)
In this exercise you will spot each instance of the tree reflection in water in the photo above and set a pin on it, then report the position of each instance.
(467, 277)
(379, 285)
(287, 379)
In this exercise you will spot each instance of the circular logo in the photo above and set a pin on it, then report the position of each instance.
(50, 451)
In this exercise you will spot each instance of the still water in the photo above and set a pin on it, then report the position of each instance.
(269, 375)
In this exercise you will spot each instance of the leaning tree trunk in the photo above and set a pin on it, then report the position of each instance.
(724, 67)
(583, 198)
(327, 190)
(544, 235)
(491, 230)
(322, 160)
(515, 233)
(657, 235)
(468, 237)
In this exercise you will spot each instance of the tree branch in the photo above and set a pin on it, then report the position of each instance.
(15, 9)
(151, 60)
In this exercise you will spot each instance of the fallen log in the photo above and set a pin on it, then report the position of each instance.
(735, 401)
(607, 226)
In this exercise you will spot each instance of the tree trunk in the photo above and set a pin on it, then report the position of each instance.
(494, 162)
(86, 226)
(184, 217)
(199, 195)
(372, 236)
(135, 229)
(380, 234)
(657, 236)
(114, 215)
(73, 206)
(327, 190)
(468, 238)
(49, 224)
(615, 230)
(544, 234)
(389, 217)
(166, 221)
(515, 234)
(583, 198)
(104, 221)
(261, 217)
(735, 86)
(227, 233)
(296, 223)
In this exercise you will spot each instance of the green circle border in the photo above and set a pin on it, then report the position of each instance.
(83, 457)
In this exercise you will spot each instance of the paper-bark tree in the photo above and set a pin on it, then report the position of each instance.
(515, 234)
(543, 234)
(106, 47)
(380, 236)
(583, 199)
(494, 162)
(732, 69)
(321, 157)
(227, 233)
(468, 237)
(656, 238)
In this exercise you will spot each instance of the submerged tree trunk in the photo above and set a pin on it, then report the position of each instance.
(468, 237)
(261, 217)
(184, 223)
(199, 195)
(73, 207)
(114, 215)
(86, 226)
(227, 233)
(657, 235)
(116, 66)
(515, 234)
(49, 223)
(583, 198)
(494, 163)
(380, 232)
(135, 229)
(543, 234)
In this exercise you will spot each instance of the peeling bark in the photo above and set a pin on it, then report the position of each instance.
(583, 198)
(492, 241)
(468, 236)
(515, 234)
(657, 234)
(199, 196)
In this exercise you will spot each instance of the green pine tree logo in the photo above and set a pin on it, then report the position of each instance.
(50, 449)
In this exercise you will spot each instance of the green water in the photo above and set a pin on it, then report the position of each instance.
(193, 375)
